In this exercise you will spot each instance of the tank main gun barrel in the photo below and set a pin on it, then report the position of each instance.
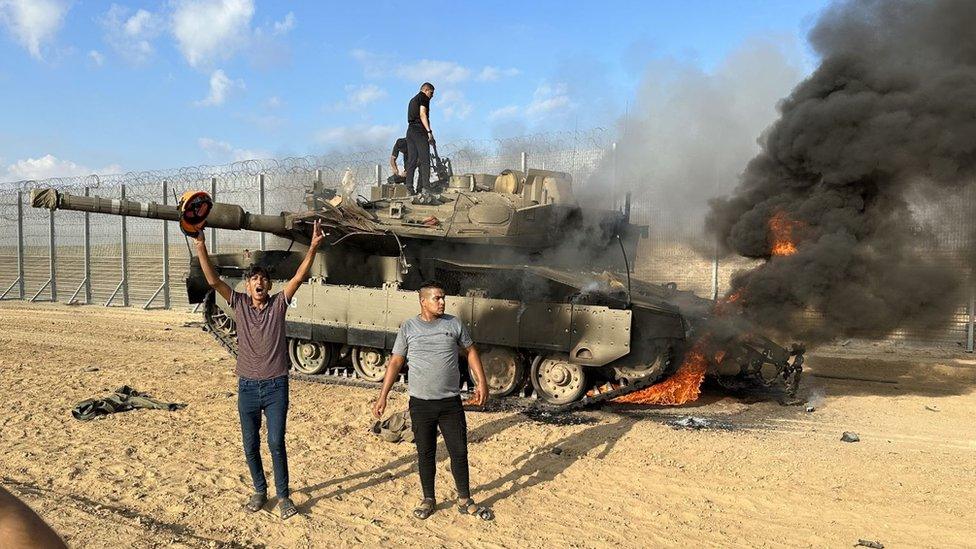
(222, 216)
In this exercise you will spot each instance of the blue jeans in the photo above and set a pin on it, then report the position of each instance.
(271, 397)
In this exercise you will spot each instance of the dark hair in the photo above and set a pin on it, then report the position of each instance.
(431, 284)
(255, 270)
(427, 86)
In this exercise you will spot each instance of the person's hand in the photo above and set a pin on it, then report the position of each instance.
(379, 407)
(430, 138)
(479, 398)
(317, 235)
(201, 240)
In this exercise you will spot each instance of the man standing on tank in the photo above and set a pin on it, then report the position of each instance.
(419, 138)
(262, 366)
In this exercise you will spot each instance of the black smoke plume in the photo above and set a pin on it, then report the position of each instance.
(889, 113)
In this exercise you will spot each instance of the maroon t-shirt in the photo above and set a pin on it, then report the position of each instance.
(262, 352)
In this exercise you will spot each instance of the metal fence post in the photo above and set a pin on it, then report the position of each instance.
(379, 174)
(525, 163)
(124, 235)
(21, 275)
(164, 287)
(613, 174)
(20, 253)
(86, 276)
(87, 280)
(52, 257)
(213, 231)
(166, 297)
(51, 284)
(262, 237)
(123, 241)
(715, 273)
(972, 319)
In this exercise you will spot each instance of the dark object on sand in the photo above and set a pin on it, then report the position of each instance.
(850, 436)
(869, 543)
(690, 422)
(395, 428)
(124, 398)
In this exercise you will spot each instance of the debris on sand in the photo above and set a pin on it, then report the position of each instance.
(869, 543)
(933, 408)
(550, 418)
(690, 422)
(850, 436)
(811, 409)
(556, 450)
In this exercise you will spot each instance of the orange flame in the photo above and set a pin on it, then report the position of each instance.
(726, 305)
(781, 230)
(684, 386)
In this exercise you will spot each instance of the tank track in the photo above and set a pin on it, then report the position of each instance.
(530, 405)
(334, 377)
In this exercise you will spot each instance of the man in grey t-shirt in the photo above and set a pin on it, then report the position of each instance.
(429, 343)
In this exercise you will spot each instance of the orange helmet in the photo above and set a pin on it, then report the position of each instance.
(194, 208)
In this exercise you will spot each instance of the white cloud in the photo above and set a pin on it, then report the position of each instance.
(360, 137)
(374, 65)
(207, 31)
(504, 112)
(266, 122)
(453, 104)
(33, 22)
(435, 72)
(131, 34)
(223, 151)
(549, 99)
(357, 97)
(273, 102)
(96, 57)
(490, 74)
(220, 87)
(48, 166)
(284, 26)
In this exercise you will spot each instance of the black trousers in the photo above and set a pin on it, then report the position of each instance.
(418, 158)
(425, 417)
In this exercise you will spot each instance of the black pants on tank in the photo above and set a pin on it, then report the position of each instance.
(418, 158)
(425, 417)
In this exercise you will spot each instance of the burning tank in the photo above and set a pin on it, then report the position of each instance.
(542, 283)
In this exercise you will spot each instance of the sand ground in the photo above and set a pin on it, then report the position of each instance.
(772, 476)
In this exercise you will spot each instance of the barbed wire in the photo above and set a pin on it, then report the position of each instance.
(331, 165)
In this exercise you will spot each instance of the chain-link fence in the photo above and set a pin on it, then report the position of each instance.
(109, 260)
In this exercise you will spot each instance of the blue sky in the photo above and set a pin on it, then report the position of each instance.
(94, 86)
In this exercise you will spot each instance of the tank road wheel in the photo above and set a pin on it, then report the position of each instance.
(558, 381)
(505, 370)
(655, 365)
(311, 357)
(370, 363)
(219, 321)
